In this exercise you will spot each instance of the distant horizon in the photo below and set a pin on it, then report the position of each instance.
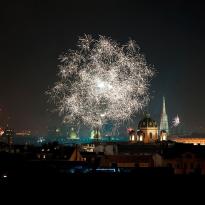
(84, 128)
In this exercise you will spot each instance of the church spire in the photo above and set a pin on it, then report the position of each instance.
(164, 108)
(164, 118)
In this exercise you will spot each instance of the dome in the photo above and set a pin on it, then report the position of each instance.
(95, 134)
(73, 134)
(147, 122)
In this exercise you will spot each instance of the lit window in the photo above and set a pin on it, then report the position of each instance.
(141, 138)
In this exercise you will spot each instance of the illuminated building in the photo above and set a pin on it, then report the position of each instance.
(140, 136)
(135, 137)
(189, 140)
(24, 133)
(73, 134)
(163, 135)
(148, 130)
(9, 133)
(164, 119)
(132, 135)
(95, 134)
(87, 147)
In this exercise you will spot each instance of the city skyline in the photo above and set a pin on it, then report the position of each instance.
(34, 34)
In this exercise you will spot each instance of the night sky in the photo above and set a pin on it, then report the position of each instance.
(34, 33)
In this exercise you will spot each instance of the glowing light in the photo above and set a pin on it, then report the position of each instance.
(176, 121)
(141, 138)
(41, 140)
(95, 134)
(101, 81)
(100, 84)
(73, 134)
(106, 170)
(1, 131)
(132, 137)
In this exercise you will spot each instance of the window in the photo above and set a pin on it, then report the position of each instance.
(150, 135)
(141, 138)
(132, 137)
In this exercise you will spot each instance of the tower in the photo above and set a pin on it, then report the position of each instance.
(164, 119)
(148, 130)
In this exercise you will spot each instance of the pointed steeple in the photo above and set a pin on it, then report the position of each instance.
(164, 118)
(164, 107)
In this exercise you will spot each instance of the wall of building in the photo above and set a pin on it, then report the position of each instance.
(107, 149)
(187, 163)
(147, 131)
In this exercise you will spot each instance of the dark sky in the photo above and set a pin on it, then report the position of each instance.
(33, 33)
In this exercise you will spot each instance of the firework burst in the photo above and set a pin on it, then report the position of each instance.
(101, 81)
(176, 121)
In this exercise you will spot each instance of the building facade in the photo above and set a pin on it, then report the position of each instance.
(148, 130)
